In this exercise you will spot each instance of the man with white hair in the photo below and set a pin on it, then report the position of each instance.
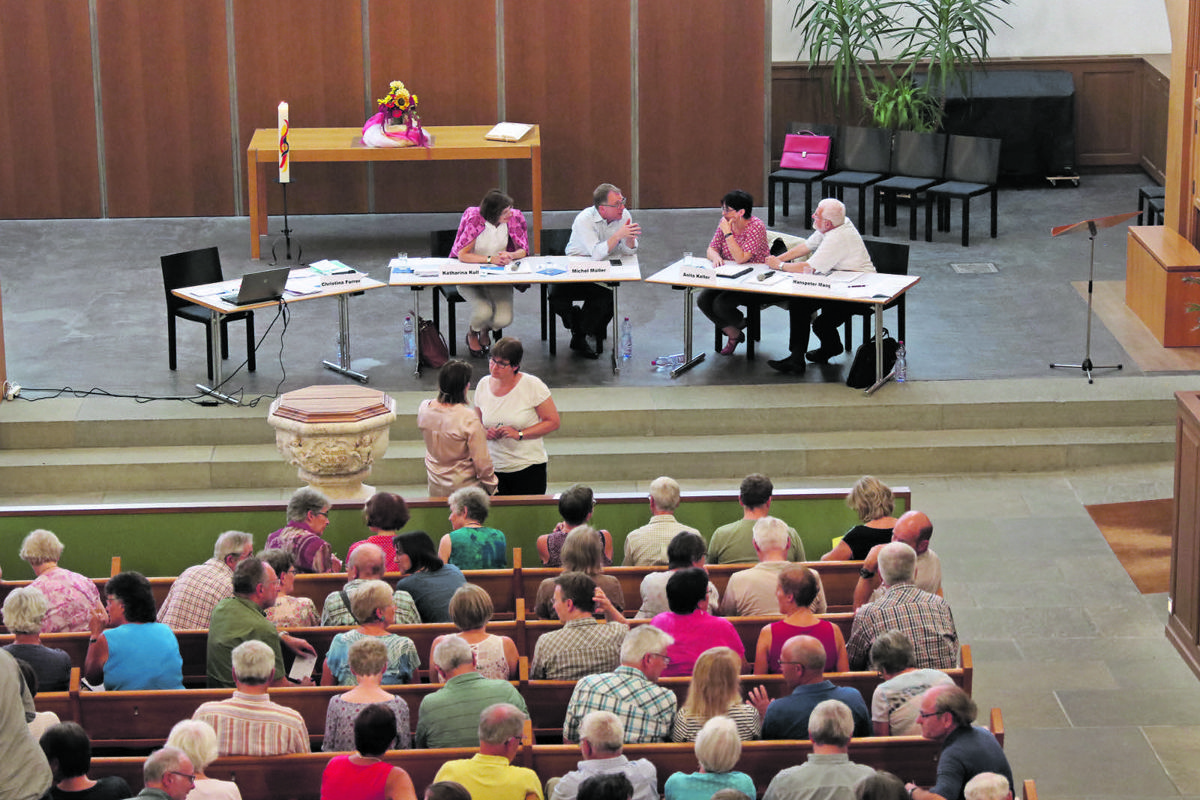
(834, 245)
(196, 592)
(751, 592)
(828, 773)
(646, 710)
(168, 774)
(601, 739)
(449, 717)
(988, 786)
(367, 562)
(923, 617)
(490, 773)
(647, 545)
(250, 723)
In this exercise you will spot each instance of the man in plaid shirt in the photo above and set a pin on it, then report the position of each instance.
(197, 591)
(582, 646)
(646, 710)
(923, 617)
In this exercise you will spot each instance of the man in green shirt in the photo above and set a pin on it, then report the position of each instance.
(242, 617)
(449, 717)
(734, 543)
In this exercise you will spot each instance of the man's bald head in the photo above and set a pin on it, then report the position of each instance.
(914, 529)
(367, 562)
(803, 660)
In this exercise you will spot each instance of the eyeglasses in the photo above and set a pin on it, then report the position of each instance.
(619, 204)
(666, 658)
(191, 778)
(324, 514)
(499, 363)
(925, 714)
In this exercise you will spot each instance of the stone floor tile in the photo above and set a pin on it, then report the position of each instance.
(1120, 707)
(1103, 762)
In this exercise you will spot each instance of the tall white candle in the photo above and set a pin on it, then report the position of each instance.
(285, 163)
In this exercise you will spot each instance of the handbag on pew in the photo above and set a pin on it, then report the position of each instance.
(431, 346)
(862, 369)
(806, 151)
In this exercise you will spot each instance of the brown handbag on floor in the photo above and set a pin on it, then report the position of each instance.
(431, 345)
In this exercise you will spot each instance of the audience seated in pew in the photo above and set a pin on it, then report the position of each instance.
(915, 530)
(989, 786)
(752, 592)
(24, 611)
(686, 549)
(495, 656)
(288, 611)
(368, 658)
(365, 563)
(883, 785)
(828, 771)
(449, 717)
(796, 591)
(734, 543)
(69, 752)
(581, 552)
(601, 739)
(135, 652)
(373, 606)
(715, 691)
(363, 774)
(307, 518)
(71, 596)
(582, 646)
(196, 592)
(41, 720)
(168, 773)
(198, 741)
(718, 747)
(896, 703)
(803, 661)
(250, 723)
(874, 504)
(429, 580)
(384, 514)
(575, 506)
(967, 750)
(693, 629)
(490, 772)
(472, 545)
(647, 545)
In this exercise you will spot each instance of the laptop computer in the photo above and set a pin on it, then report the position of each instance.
(259, 287)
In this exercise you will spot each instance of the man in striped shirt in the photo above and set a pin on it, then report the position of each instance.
(450, 716)
(249, 723)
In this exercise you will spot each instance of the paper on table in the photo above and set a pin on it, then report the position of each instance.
(217, 289)
(304, 283)
(303, 667)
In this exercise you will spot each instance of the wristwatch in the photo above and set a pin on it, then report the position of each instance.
(728, 235)
(866, 573)
(520, 436)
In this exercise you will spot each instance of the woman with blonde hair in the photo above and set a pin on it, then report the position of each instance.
(798, 587)
(198, 741)
(874, 504)
(373, 604)
(715, 691)
(368, 658)
(718, 748)
(495, 656)
(71, 597)
(582, 551)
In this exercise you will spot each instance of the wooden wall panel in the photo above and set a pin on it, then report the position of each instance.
(165, 95)
(576, 84)
(701, 100)
(445, 52)
(308, 53)
(1155, 98)
(1108, 111)
(47, 114)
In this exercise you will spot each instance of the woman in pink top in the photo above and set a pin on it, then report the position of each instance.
(693, 628)
(798, 587)
(71, 597)
(363, 774)
(741, 238)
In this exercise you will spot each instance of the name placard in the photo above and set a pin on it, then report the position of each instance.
(588, 268)
(810, 282)
(349, 280)
(455, 271)
(693, 274)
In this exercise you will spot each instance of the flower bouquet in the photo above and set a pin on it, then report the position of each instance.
(396, 123)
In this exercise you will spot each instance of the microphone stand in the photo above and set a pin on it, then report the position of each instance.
(287, 237)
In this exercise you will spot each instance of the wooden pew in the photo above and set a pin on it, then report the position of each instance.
(1029, 790)
(838, 577)
(548, 700)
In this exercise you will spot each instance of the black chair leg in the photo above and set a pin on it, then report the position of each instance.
(771, 202)
(787, 191)
(451, 327)
(250, 362)
(966, 222)
(752, 328)
(995, 199)
(542, 307)
(224, 338)
(171, 340)
(208, 349)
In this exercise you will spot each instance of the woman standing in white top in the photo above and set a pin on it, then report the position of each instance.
(517, 411)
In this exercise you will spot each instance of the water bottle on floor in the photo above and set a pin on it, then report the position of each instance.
(667, 362)
(627, 339)
(901, 369)
(410, 337)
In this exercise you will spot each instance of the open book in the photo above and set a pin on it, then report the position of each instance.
(508, 132)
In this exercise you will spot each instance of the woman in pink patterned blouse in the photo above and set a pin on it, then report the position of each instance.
(71, 596)
(741, 238)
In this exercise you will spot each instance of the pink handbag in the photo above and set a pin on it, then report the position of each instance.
(805, 151)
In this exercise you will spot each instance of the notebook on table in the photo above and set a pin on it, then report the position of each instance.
(259, 287)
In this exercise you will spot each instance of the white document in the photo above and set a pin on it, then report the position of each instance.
(303, 667)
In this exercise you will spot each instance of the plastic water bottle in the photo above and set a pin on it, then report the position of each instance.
(901, 369)
(627, 339)
(668, 362)
(410, 337)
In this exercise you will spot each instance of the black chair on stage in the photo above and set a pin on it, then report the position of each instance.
(753, 314)
(1147, 195)
(972, 166)
(554, 243)
(192, 268)
(889, 258)
(802, 176)
(918, 162)
(864, 157)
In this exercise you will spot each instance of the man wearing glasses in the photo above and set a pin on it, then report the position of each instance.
(967, 750)
(169, 775)
(802, 662)
(603, 231)
(645, 709)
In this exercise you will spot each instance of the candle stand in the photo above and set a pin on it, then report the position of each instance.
(287, 237)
